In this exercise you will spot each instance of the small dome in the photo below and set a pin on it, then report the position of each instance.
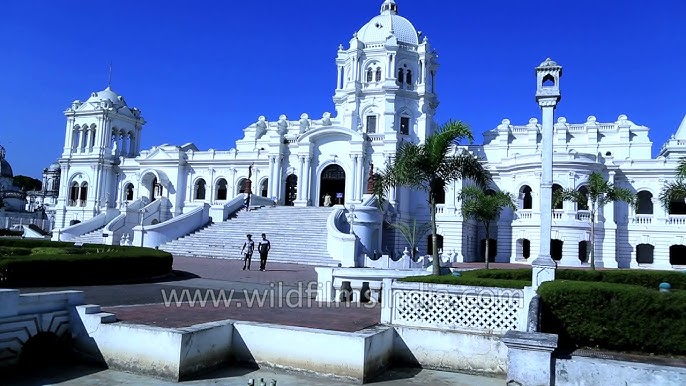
(548, 63)
(55, 166)
(107, 94)
(386, 24)
(5, 168)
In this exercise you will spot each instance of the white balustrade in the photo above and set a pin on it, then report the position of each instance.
(524, 214)
(643, 219)
(677, 219)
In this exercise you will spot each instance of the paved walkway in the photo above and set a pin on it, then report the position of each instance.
(218, 290)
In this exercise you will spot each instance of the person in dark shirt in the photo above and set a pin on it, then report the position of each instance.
(263, 247)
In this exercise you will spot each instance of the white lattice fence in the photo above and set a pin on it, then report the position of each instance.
(457, 307)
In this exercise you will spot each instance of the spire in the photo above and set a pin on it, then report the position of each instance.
(109, 79)
(389, 7)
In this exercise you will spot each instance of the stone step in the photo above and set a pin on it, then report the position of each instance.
(298, 235)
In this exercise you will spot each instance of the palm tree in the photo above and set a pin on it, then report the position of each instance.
(675, 191)
(430, 165)
(600, 193)
(485, 207)
(412, 233)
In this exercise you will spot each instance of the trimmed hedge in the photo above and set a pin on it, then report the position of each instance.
(467, 280)
(614, 316)
(644, 278)
(90, 264)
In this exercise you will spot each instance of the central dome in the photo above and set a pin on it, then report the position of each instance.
(386, 24)
(107, 94)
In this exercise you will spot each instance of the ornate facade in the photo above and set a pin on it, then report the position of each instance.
(384, 96)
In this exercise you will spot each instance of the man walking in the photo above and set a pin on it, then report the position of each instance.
(263, 247)
(247, 253)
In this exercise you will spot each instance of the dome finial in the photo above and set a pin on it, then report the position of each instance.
(389, 7)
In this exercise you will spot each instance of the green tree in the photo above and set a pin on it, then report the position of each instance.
(675, 191)
(600, 193)
(26, 183)
(485, 207)
(412, 232)
(430, 165)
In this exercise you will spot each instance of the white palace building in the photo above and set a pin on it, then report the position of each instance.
(113, 192)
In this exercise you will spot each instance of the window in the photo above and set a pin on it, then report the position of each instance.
(408, 77)
(378, 74)
(200, 189)
(129, 192)
(371, 124)
(83, 194)
(404, 125)
(400, 76)
(73, 193)
(369, 75)
(221, 189)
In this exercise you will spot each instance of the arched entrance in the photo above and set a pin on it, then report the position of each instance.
(332, 183)
(291, 189)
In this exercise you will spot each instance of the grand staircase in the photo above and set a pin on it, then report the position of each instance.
(94, 237)
(297, 235)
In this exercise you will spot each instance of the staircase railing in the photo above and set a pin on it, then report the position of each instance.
(219, 213)
(123, 224)
(73, 231)
(341, 244)
(155, 235)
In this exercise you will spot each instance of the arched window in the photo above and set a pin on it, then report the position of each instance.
(263, 188)
(200, 189)
(129, 192)
(400, 76)
(371, 124)
(405, 125)
(581, 206)
(222, 192)
(369, 75)
(83, 194)
(644, 253)
(556, 188)
(378, 74)
(548, 81)
(241, 185)
(440, 192)
(73, 193)
(408, 77)
(645, 202)
(525, 199)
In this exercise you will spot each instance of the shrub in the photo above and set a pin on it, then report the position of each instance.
(467, 280)
(614, 316)
(7, 251)
(60, 263)
(9, 232)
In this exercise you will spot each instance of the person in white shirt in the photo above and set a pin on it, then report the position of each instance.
(247, 250)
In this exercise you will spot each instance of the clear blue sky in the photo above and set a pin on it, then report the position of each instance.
(201, 71)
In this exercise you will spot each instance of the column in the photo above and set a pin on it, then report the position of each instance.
(356, 160)
(301, 162)
(81, 134)
(359, 178)
(391, 190)
(306, 180)
(272, 176)
(544, 266)
(277, 178)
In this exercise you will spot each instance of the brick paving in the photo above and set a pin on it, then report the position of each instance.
(274, 296)
(328, 316)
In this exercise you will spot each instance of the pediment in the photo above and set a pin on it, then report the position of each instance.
(160, 154)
